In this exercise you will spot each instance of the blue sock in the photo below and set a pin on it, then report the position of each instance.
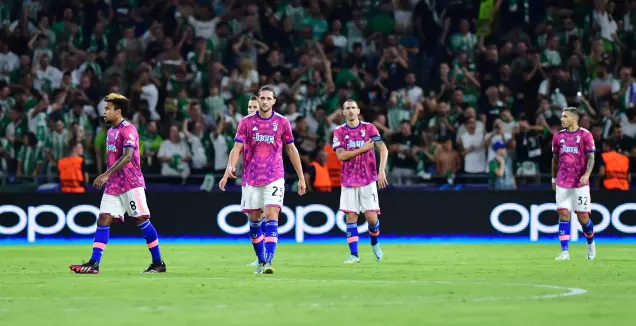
(152, 239)
(588, 230)
(256, 234)
(352, 238)
(271, 238)
(263, 220)
(374, 232)
(99, 244)
(564, 234)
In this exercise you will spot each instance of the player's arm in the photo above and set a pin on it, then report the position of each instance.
(590, 148)
(292, 152)
(555, 168)
(384, 157)
(122, 161)
(235, 155)
(347, 155)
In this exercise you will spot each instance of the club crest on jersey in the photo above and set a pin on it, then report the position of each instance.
(578, 139)
(275, 126)
(362, 132)
(263, 138)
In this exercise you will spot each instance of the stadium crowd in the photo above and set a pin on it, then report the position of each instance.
(461, 91)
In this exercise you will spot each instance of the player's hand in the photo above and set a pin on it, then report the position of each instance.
(585, 179)
(302, 188)
(230, 172)
(222, 183)
(100, 181)
(382, 182)
(367, 146)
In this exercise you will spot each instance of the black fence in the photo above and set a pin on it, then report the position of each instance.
(523, 215)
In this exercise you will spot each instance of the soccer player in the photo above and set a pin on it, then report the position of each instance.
(262, 136)
(252, 107)
(572, 163)
(353, 143)
(124, 188)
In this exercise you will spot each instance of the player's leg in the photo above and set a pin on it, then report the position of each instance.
(370, 205)
(252, 204)
(135, 201)
(273, 195)
(350, 204)
(564, 206)
(110, 207)
(262, 231)
(582, 209)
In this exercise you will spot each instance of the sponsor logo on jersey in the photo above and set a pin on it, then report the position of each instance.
(570, 149)
(264, 138)
(355, 144)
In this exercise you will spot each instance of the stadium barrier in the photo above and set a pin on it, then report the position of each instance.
(526, 216)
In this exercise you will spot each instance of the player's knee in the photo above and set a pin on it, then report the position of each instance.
(254, 216)
(141, 219)
(372, 217)
(583, 218)
(104, 219)
(352, 218)
(564, 215)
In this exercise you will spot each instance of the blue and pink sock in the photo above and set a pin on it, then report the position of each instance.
(352, 238)
(374, 232)
(271, 238)
(564, 234)
(588, 230)
(256, 234)
(152, 239)
(99, 243)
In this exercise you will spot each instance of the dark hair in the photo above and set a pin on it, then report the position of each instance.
(32, 139)
(253, 98)
(267, 88)
(348, 100)
(573, 110)
(119, 101)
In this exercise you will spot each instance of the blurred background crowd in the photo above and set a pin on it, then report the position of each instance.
(465, 93)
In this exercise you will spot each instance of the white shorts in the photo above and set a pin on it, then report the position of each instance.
(132, 202)
(360, 199)
(257, 198)
(577, 199)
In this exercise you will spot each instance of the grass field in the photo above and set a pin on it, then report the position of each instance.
(429, 284)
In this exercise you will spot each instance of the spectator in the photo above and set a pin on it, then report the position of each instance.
(614, 168)
(447, 160)
(317, 173)
(471, 145)
(174, 154)
(29, 158)
(402, 151)
(501, 171)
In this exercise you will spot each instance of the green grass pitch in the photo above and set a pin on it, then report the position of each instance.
(428, 284)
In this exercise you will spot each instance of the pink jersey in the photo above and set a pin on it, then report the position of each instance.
(263, 147)
(130, 176)
(360, 170)
(572, 149)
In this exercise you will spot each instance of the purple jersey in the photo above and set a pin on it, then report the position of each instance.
(572, 149)
(130, 176)
(360, 170)
(263, 147)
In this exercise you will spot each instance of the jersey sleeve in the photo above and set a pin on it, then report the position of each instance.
(555, 146)
(131, 138)
(288, 137)
(374, 134)
(241, 132)
(336, 143)
(589, 143)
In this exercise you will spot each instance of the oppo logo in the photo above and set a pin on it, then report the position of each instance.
(28, 220)
(530, 218)
(295, 221)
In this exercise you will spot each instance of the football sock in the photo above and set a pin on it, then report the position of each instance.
(263, 220)
(374, 232)
(256, 234)
(352, 238)
(588, 230)
(564, 234)
(152, 239)
(99, 244)
(271, 238)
